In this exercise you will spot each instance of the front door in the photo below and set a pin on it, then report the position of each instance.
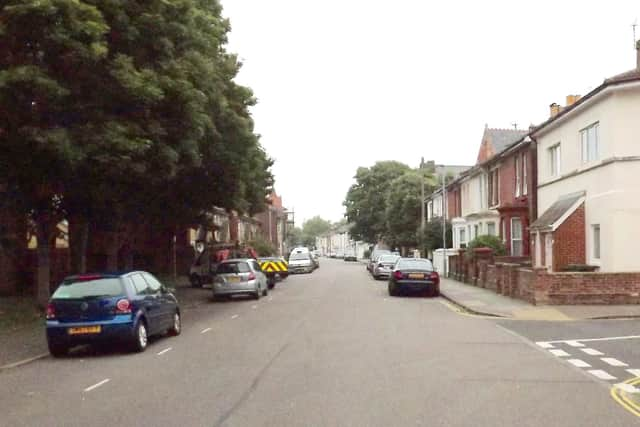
(548, 251)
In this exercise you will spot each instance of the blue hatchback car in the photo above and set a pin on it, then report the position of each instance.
(103, 308)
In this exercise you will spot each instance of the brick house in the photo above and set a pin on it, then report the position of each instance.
(588, 167)
(511, 191)
(476, 217)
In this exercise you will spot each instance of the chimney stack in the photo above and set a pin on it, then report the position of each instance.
(554, 109)
(572, 99)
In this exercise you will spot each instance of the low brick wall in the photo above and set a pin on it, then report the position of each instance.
(517, 279)
(588, 288)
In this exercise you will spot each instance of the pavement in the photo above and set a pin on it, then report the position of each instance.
(486, 302)
(331, 348)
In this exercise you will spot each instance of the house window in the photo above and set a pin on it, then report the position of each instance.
(494, 195)
(516, 237)
(482, 191)
(504, 230)
(518, 176)
(524, 174)
(589, 138)
(475, 231)
(554, 160)
(596, 241)
(491, 228)
(463, 237)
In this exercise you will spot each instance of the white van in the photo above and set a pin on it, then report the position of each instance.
(301, 261)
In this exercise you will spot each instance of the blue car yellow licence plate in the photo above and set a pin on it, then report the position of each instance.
(84, 330)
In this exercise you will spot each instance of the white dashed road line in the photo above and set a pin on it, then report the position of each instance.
(559, 353)
(544, 344)
(613, 362)
(575, 344)
(160, 353)
(96, 385)
(204, 331)
(634, 372)
(254, 306)
(270, 298)
(603, 375)
(235, 316)
(592, 352)
(627, 388)
(579, 363)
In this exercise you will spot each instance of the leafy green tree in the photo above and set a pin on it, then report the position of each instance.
(403, 208)
(294, 237)
(432, 237)
(366, 200)
(313, 228)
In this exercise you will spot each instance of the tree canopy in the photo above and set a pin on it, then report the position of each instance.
(313, 228)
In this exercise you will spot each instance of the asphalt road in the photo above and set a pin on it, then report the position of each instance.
(325, 349)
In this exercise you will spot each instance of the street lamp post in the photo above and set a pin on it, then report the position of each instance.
(444, 224)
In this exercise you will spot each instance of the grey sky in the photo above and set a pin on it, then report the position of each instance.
(344, 83)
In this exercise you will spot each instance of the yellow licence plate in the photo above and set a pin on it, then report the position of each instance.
(416, 276)
(233, 279)
(84, 330)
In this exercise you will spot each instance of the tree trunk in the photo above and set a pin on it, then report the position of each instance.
(78, 237)
(43, 232)
(113, 247)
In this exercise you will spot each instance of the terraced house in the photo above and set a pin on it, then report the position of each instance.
(588, 169)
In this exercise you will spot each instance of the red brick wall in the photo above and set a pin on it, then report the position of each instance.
(588, 288)
(569, 241)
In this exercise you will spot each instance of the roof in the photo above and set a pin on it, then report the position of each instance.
(502, 138)
(562, 207)
(626, 77)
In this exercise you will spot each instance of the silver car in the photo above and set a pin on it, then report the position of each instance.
(384, 266)
(240, 276)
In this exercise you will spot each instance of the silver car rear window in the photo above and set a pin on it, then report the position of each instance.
(233, 268)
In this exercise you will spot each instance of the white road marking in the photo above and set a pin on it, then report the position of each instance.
(254, 306)
(613, 362)
(544, 344)
(270, 298)
(626, 337)
(204, 331)
(603, 375)
(627, 387)
(634, 372)
(579, 363)
(559, 353)
(235, 316)
(160, 353)
(592, 352)
(575, 344)
(96, 385)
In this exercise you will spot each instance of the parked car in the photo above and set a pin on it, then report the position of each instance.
(301, 262)
(414, 275)
(374, 258)
(274, 268)
(107, 308)
(316, 260)
(241, 276)
(384, 265)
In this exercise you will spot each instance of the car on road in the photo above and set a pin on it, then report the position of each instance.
(377, 253)
(414, 275)
(242, 276)
(384, 265)
(108, 308)
(275, 268)
(301, 262)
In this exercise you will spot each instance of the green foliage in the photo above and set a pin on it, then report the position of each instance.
(432, 237)
(294, 237)
(403, 208)
(367, 254)
(487, 241)
(263, 247)
(366, 199)
(313, 228)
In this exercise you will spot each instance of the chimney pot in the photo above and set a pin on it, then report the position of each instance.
(554, 109)
(572, 99)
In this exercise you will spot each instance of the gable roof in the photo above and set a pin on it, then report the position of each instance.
(558, 212)
(496, 140)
